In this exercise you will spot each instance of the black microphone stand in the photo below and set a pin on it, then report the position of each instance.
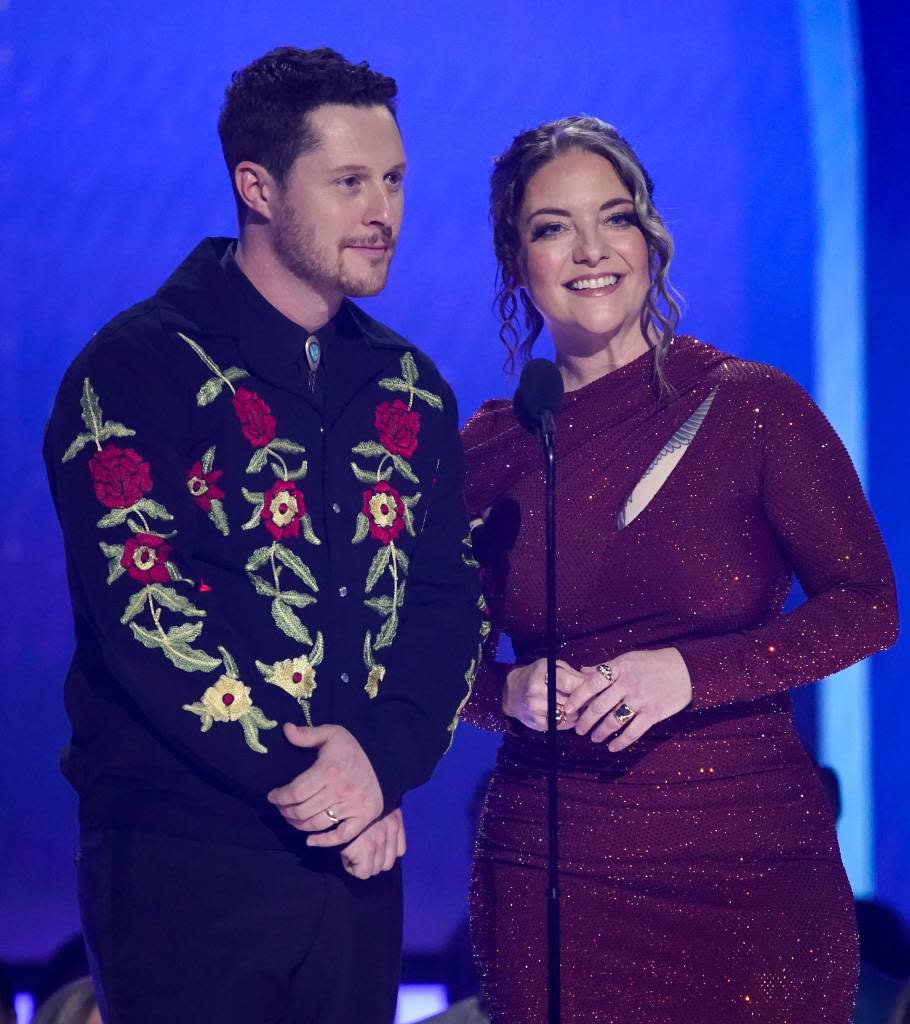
(547, 434)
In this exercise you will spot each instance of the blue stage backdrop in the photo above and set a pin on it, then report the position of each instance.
(112, 171)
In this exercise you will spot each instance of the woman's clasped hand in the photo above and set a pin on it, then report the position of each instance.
(622, 697)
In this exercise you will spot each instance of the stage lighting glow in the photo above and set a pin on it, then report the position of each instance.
(418, 1001)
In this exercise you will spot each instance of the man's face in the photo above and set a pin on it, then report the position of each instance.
(337, 219)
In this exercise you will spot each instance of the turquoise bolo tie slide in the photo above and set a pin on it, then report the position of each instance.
(313, 352)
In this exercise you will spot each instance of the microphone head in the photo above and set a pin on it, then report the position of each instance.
(540, 390)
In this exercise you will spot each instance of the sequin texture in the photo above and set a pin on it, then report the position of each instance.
(700, 876)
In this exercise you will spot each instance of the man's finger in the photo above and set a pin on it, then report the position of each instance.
(349, 829)
(305, 735)
(305, 788)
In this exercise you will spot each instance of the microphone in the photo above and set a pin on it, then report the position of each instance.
(539, 396)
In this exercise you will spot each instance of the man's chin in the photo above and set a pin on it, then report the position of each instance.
(364, 287)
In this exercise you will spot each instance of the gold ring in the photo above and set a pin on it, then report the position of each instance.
(332, 816)
(560, 713)
(623, 714)
(604, 669)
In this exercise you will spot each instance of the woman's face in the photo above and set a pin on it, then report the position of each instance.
(585, 258)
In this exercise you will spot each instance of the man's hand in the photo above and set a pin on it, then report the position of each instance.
(341, 787)
(376, 848)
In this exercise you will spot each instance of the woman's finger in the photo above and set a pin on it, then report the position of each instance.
(598, 709)
(632, 732)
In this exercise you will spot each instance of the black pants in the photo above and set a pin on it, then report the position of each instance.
(191, 932)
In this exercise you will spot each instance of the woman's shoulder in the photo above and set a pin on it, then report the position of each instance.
(747, 377)
(495, 416)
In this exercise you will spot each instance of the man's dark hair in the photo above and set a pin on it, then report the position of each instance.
(263, 117)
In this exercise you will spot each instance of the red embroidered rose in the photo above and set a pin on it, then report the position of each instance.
(384, 509)
(145, 558)
(256, 419)
(282, 510)
(398, 427)
(119, 476)
(202, 486)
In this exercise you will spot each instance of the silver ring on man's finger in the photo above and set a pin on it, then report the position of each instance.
(332, 816)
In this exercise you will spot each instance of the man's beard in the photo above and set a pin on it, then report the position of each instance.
(296, 247)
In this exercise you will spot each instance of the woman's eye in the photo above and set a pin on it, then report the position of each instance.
(621, 220)
(546, 231)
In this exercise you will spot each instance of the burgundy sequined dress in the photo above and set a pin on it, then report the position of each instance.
(700, 876)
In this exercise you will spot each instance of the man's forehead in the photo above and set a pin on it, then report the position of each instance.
(352, 134)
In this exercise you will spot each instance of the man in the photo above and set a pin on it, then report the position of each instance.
(259, 488)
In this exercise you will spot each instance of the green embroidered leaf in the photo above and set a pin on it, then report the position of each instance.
(179, 654)
(297, 599)
(138, 527)
(293, 474)
(317, 654)
(113, 553)
(433, 400)
(266, 670)
(233, 373)
(218, 517)
(402, 560)
(136, 604)
(175, 574)
(258, 558)
(152, 508)
(258, 461)
(78, 444)
(383, 604)
(173, 601)
(114, 429)
(282, 444)
(362, 528)
(203, 355)
(208, 460)
(288, 622)
(91, 410)
(204, 716)
(386, 634)
(411, 501)
(261, 587)
(409, 368)
(368, 650)
(209, 391)
(116, 517)
(186, 632)
(296, 565)
(401, 589)
(369, 448)
(371, 478)
(404, 468)
(230, 666)
(259, 718)
(485, 628)
(471, 563)
(256, 498)
(377, 567)
(309, 535)
(394, 384)
(251, 734)
(409, 521)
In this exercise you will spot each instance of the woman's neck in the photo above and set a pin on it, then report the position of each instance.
(579, 368)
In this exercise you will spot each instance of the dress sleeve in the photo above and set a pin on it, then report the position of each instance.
(815, 505)
(431, 666)
(120, 480)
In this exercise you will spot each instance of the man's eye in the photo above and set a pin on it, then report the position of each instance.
(394, 178)
(350, 182)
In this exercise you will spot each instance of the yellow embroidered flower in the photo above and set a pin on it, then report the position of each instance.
(383, 509)
(376, 676)
(295, 676)
(228, 700)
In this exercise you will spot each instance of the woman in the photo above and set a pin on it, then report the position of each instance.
(700, 876)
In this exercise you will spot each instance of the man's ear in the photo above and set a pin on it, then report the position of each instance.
(256, 187)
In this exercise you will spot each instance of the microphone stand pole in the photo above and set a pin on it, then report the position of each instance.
(547, 438)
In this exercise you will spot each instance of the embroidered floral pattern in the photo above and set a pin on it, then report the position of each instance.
(385, 511)
(201, 482)
(297, 676)
(122, 481)
(229, 700)
(281, 508)
(145, 558)
(399, 427)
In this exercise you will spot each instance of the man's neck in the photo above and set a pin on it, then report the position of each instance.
(293, 298)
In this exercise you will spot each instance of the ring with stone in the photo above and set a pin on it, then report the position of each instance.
(623, 714)
(560, 713)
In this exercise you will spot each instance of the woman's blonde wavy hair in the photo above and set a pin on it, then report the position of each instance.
(532, 149)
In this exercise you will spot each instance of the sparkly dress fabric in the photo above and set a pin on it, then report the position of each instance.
(700, 876)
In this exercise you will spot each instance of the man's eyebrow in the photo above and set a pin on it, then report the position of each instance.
(363, 169)
(552, 211)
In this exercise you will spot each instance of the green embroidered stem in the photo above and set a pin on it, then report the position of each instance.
(209, 362)
(284, 465)
(276, 569)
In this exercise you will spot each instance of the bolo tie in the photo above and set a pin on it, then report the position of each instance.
(313, 350)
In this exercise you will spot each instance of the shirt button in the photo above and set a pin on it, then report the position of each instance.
(342, 591)
(345, 678)
(336, 508)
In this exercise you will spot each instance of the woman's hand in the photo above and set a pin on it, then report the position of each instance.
(653, 684)
(525, 694)
(376, 848)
